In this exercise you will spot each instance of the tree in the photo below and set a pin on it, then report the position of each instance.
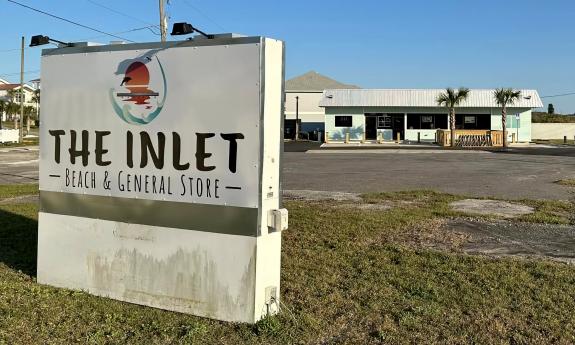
(28, 112)
(551, 109)
(3, 109)
(11, 104)
(36, 99)
(505, 97)
(450, 99)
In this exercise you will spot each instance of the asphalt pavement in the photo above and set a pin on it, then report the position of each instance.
(19, 165)
(519, 173)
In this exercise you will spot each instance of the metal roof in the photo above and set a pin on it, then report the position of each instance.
(478, 98)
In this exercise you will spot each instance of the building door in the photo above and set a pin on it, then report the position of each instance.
(398, 126)
(371, 127)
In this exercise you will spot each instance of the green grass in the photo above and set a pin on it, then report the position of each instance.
(348, 277)
(539, 117)
(567, 182)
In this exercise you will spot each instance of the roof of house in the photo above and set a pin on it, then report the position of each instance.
(313, 81)
(478, 98)
(4, 87)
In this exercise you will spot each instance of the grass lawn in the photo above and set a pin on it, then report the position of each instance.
(348, 276)
(568, 182)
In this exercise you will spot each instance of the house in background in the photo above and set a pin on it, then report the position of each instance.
(6, 87)
(377, 115)
(302, 95)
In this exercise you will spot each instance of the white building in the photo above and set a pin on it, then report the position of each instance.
(6, 87)
(375, 115)
(303, 94)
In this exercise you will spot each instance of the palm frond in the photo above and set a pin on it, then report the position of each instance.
(451, 98)
(505, 96)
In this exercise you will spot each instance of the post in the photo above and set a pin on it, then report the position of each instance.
(363, 138)
(347, 138)
(418, 137)
(296, 118)
(163, 24)
(21, 132)
(398, 137)
(326, 137)
(513, 137)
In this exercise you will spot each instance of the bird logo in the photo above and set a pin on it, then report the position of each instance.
(134, 100)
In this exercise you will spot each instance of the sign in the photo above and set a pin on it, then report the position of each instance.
(469, 119)
(159, 172)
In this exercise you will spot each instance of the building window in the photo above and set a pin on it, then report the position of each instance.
(472, 121)
(384, 121)
(426, 121)
(17, 97)
(512, 121)
(343, 121)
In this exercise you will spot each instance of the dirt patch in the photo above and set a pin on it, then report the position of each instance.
(491, 207)
(366, 207)
(313, 195)
(25, 199)
(503, 238)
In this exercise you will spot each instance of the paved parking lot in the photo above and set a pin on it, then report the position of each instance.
(18, 165)
(526, 173)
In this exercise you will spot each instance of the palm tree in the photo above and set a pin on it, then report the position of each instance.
(28, 111)
(505, 97)
(450, 99)
(36, 99)
(3, 109)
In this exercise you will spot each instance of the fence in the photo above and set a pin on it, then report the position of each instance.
(548, 131)
(9, 135)
(471, 138)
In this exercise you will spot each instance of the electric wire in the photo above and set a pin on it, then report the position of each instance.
(69, 21)
(186, 2)
(126, 15)
(559, 95)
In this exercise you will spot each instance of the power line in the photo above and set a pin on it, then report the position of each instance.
(125, 15)
(18, 73)
(69, 21)
(203, 14)
(81, 39)
(563, 94)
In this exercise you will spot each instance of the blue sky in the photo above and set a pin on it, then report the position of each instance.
(374, 44)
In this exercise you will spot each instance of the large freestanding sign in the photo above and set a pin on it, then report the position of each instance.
(160, 174)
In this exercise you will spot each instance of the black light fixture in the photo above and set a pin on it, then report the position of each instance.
(40, 40)
(187, 29)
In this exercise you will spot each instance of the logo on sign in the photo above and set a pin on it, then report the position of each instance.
(140, 91)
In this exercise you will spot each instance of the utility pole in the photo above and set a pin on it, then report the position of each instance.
(163, 23)
(21, 132)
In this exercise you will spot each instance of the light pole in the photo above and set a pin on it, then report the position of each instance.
(21, 132)
(296, 118)
(517, 122)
